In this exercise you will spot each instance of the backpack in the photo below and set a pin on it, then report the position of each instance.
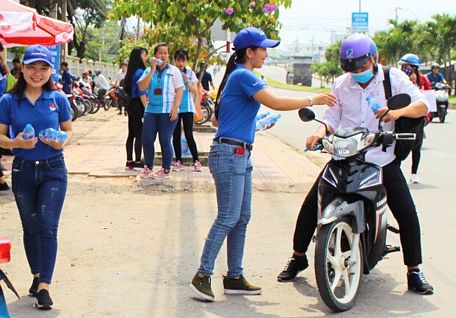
(403, 124)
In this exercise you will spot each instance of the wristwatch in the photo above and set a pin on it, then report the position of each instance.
(310, 99)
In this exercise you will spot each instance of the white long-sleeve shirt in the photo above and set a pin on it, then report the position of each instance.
(353, 110)
(102, 82)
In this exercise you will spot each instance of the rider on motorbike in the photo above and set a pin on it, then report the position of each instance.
(363, 82)
(435, 76)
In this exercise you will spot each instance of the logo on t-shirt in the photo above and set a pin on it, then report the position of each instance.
(52, 107)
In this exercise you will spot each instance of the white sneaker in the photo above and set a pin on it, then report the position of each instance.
(414, 178)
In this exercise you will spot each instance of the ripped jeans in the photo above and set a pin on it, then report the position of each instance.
(39, 188)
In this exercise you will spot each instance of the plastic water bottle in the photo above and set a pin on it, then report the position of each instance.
(159, 62)
(61, 136)
(374, 105)
(28, 132)
(184, 147)
(267, 121)
(262, 115)
(49, 133)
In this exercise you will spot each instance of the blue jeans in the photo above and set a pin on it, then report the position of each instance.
(161, 124)
(39, 189)
(232, 174)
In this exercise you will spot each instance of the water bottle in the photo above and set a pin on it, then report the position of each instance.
(267, 121)
(61, 136)
(374, 105)
(185, 150)
(49, 134)
(159, 62)
(262, 115)
(29, 132)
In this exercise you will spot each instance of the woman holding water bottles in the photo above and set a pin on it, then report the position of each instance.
(238, 102)
(39, 175)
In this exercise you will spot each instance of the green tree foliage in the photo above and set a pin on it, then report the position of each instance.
(187, 23)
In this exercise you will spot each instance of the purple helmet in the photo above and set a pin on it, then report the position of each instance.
(355, 51)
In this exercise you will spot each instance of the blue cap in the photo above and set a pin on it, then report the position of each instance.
(37, 53)
(253, 37)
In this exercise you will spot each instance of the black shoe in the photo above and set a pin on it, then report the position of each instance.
(4, 186)
(418, 284)
(129, 165)
(44, 300)
(138, 165)
(294, 265)
(34, 288)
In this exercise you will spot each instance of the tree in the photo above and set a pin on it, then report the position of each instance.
(189, 22)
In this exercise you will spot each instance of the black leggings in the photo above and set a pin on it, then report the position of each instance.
(399, 201)
(135, 114)
(187, 119)
(416, 153)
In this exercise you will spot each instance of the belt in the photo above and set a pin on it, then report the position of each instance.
(229, 141)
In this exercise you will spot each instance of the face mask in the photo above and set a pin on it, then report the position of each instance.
(363, 77)
(407, 70)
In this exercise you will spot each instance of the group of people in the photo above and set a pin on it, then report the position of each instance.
(240, 96)
(163, 100)
(163, 95)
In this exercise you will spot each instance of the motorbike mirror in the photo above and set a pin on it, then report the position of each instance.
(306, 114)
(399, 101)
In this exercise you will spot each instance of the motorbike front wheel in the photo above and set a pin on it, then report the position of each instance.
(338, 281)
(442, 115)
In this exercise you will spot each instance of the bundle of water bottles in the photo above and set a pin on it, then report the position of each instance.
(265, 120)
(49, 134)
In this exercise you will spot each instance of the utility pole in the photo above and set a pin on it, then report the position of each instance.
(359, 5)
(64, 51)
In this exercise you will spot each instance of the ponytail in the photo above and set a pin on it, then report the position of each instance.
(238, 57)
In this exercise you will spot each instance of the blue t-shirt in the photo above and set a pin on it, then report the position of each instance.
(50, 109)
(135, 91)
(67, 79)
(435, 79)
(238, 109)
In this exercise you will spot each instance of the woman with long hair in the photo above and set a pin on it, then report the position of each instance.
(135, 109)
(164, 84)
(238, 102)
(39, 175)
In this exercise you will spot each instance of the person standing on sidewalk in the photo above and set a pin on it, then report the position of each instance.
(186, 113)
(39, 175)
(410, 64)
(135, 109)
(364, 77)
(165, 85)
(238, 102)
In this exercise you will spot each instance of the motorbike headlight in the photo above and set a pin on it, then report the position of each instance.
(368, 140)
(327, 144)
(345, 147)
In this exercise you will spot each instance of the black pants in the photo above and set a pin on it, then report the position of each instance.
(416, 152)
(399, 201)
(135, 115)
(187, 120)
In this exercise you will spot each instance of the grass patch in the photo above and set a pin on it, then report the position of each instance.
(452, 99)
(277, 84)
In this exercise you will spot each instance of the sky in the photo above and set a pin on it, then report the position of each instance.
(309, 20)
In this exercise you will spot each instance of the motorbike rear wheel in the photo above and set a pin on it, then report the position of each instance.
(338, 282)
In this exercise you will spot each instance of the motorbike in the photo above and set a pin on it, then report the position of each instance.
(352, 210)
(5, 257)
(441, 96)
(207, 108)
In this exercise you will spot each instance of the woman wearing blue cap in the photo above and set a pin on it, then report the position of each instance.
(238, 101)
(39, 175)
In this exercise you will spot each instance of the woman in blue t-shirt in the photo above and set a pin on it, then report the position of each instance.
(39, 175)
(135, 109)
(164, 85)
(240, 96)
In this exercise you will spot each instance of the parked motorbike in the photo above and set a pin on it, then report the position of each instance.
(441, 96)
(352, 220)
(5, 257)
(207, 108)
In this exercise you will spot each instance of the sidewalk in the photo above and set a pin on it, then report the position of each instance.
(98, 150)
(101, 153)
